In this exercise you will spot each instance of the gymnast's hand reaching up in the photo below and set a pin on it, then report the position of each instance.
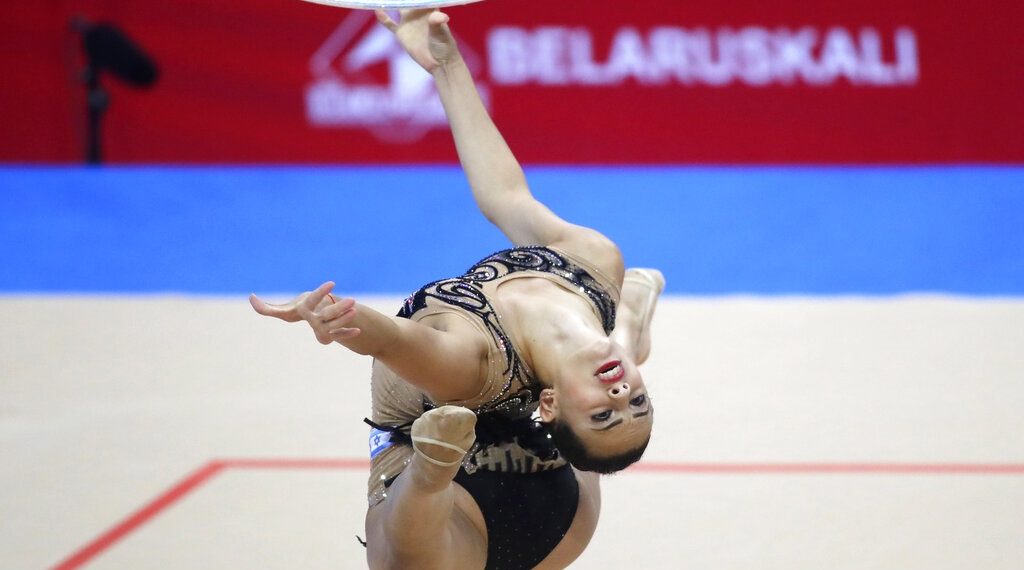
(328, 317)
(424, 34)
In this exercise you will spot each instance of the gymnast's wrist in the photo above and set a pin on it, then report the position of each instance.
(449, 66)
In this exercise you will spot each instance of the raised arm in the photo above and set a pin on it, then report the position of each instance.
(495, 177)
(448, 365)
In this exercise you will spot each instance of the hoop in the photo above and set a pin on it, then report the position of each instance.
(391, 4)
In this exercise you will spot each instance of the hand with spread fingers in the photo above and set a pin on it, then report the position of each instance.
(424, 34)
(327, 316)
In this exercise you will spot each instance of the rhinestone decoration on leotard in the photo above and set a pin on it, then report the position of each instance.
(464, 292)
(535, 258)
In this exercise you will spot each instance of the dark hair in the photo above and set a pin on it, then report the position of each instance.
(571, 447)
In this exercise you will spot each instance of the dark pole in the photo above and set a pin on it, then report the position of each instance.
(97, 101)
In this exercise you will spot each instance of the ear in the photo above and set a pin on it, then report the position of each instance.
(548, 406)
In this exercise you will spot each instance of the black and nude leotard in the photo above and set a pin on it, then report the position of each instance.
(510, 391)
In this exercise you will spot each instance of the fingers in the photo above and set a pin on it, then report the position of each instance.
(258, 305)
(312, 300)
(337, 309)
(335, 330)
(328, 316)
(330, 323)
(434, 17)
(385, 20)
(302, 307)
(283, 312)
(437, 18)
(337, 316)
(344, 333)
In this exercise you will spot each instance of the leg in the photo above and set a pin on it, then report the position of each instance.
(640, 291)
(423, 522)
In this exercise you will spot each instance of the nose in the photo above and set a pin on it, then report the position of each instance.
(618, 391)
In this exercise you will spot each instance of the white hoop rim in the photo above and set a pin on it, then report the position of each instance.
(391, 4)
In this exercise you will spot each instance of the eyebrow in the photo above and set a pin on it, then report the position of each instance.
(619, 421)
(609, 426)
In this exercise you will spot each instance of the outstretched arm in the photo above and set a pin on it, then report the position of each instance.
(495, 177)
(448, 365)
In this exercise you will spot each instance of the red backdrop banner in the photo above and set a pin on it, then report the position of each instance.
(648, 81)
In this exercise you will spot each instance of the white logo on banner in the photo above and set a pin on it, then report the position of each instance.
(346, 91)
(755, 56)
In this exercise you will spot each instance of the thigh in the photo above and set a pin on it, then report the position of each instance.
(456, 539)
(584, 524)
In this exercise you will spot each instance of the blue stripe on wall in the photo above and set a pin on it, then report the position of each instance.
(819, 231)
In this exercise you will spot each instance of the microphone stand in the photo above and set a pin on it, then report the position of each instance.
(97, 101)
(106, 48)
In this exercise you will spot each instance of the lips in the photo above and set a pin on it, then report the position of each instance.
(611, 372)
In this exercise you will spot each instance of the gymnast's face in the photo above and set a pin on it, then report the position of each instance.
(601, 395)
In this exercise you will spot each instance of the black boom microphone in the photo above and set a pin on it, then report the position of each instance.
(107, 48)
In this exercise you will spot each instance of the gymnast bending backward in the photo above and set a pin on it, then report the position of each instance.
(555, 326)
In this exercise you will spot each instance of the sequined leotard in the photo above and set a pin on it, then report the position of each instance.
(510, 388)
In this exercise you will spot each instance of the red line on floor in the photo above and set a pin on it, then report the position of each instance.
(140, 517)
(834, 468)
(296, 463)
(208, 471)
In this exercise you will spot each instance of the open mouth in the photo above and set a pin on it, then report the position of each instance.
(611, 372)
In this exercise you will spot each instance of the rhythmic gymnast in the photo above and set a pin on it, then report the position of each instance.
(462, 476)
